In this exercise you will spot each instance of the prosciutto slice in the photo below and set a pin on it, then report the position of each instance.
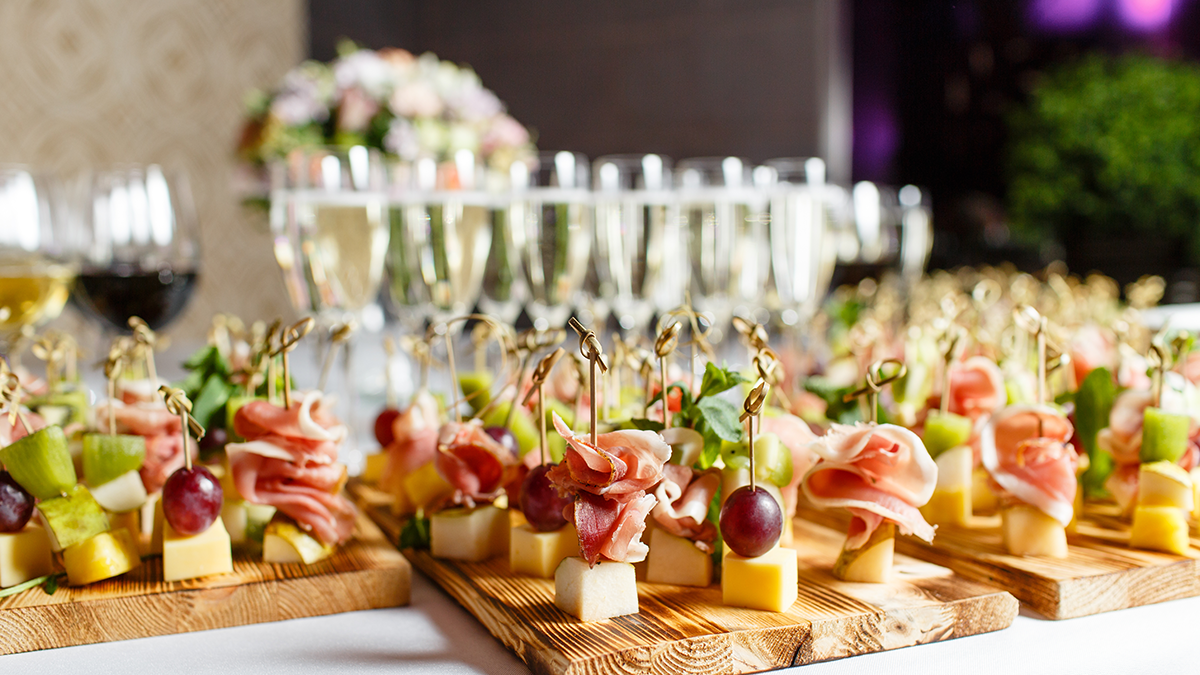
(415, 439)
(472, 461)
(683, 497)
(796, 435)
(161, 429)
(1025, 450)
(976, 388)
(1122, 439)
(877, 472)
(289, 461)
(608, 481)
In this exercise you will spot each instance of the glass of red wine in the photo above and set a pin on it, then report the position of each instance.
(141, 247)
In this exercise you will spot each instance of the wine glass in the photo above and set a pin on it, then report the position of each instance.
(140, 247)
(36, 261)
(639, 257)
(553, 208)
(868, 232)
(916, 233)
(727, 237)
(802, 252)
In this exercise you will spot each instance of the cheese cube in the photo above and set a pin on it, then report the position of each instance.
(539, 553)
(200, 555)
(595, 593)
(951, 501)
(285, 542)
(871, 563)
(373, 469)
(787, 536)
(768, 582)
(233, 515)
(983, 500)
(675, 560)
(1028, 531)
(24, 555)
(104, 556)
(473, 535)
(424, 486)
(152, 525)
(123, 493)
(1195, 476)
(130, 520)
(1165, 484)
(1159, 528)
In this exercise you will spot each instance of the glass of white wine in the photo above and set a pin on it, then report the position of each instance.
(37, 263)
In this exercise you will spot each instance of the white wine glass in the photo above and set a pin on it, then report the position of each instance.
(803, 253)
(37, 258)
(552, 206)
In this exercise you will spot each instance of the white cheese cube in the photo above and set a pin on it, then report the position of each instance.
(24, 555)
(675, 560)
(539, 553)
(472, 535)
(595, 593)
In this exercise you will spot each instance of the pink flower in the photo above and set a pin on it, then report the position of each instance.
(504, 132)
(416, 99)
(356, 110)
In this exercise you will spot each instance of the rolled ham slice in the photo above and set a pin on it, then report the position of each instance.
(609, 528)
(877, 472)
(1025, 450)
(683, 497)
(976, 388)
(415, 438)
(472, 461)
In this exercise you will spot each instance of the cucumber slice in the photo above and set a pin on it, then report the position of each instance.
(1164, 435)
(41, 463)
(772, 459)
(473, 381)
(108, 456)
(943, 432)
(74, 517)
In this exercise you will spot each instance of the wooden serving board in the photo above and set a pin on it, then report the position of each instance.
(688, 629)
(365, 573)
(1101, 574)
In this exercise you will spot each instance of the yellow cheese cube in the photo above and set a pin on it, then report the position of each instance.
(1195, 476)
(1028, 531)
(373, 469)
(951, 501)
(285, 542)
(539, 553)
(983, 500)
(1165, 484)
(595, 593)
(871, 563)
(233, 516)
(425, 485)
(675, 560)
(768, 582)
(104, 556)
(1159, 528)
(130, 520)
(473, 535)
(24, 555)
(199, 555)
(1072, 527)
(152, 525)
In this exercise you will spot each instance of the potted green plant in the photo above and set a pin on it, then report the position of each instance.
(1106, 159)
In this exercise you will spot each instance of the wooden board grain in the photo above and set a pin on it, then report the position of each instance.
(365, 573)
(680, 629)
(1101, 573)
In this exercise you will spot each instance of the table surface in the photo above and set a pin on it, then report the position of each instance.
(435, 635)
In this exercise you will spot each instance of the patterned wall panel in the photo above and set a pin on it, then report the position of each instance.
(91, 82)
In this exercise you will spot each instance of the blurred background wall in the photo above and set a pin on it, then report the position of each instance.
(87, 83)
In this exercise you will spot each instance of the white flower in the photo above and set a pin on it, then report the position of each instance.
(474, 104)
(462, 137)
(431, 134)
(365, 70)
(356, 110)
(402, 140)
(504, 132)
(304, 95)
(416, 99)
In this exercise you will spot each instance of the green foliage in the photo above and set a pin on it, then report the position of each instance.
(415, 533)
(714, 418)
(1108, 145)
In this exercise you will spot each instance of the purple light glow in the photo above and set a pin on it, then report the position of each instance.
(1145, 14)
(1064, 15)
(876, 139)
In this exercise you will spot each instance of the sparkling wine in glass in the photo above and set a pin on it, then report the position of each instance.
(553, 208)
(802, 252)
(141, 249)
(36, 258)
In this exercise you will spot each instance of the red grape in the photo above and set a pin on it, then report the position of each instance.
(16, 505)
(540, 501)
(383, 426)
(504, 437)
(214, 439)
(751, 521)
(192, 500)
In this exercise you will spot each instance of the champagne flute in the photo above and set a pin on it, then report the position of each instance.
(802, 253)
(639, 252)
(141, 248)
(551, 204)
(36, 261)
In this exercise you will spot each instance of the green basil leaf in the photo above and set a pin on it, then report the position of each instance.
(211, 398)
(201, 359)
(415, 533)
(646, 425)
(1093, 404)
(712, 448)
(722, 417)
(717, 380)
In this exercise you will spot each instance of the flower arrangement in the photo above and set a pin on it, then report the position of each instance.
(405, 105)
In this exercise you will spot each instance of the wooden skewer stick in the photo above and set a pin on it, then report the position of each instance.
(287, 342)
(751, 409)
(876, 380)
(340, 334)
(540, 374)
(178, 404)
(663, 346)
(10, 394)
(590, 348)
(146, 339)
(112, 370)
(529, 342)
(952, 337)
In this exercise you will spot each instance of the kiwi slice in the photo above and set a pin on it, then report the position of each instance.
(108, 456)
(1164, 435)
(772, 459)
(945, 431)
(41, 463)
(74, 517)
(473, 381)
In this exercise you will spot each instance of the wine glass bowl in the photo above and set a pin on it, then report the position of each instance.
(36, 261)
(802, 252)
